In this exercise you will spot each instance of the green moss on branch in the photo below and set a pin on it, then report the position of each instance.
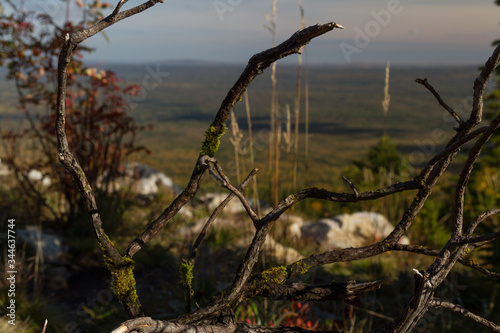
(275, 274)
(123, 282)
(212, 141)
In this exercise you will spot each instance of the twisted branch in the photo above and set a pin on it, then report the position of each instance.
(121, 268)
(255, 67)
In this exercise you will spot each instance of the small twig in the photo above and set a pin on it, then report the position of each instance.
(437, 303)
(451, 149)
(220, 176)
(209, 162)
(484, 239)
(45, 325)
(215, 213)
(441, 101)
(434, 253)
(480, 269)
(351, 185)
(480, 219)
(117, 8)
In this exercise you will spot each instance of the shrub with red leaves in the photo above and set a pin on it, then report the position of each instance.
(99, 126)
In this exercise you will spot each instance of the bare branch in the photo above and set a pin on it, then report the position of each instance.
(480, 86)
(351, 185)
(480, 219)
(226, 324)
(119, 6)
(199, 239)
(441, 101)
(65, 156)
(438, 303)
(305, 292)
(246, 328)
(451, 149)
(473, 264)
(482, 240)
(45, 326)
(121, 268)
(434, 253)
(465, 175)
(216, 212)
(316, 193)
(222, 178)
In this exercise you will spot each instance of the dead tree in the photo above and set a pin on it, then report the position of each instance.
(218, 316)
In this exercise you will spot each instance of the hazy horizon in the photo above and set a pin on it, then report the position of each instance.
(421, 32)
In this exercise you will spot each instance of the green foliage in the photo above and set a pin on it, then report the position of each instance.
(430, 227)
(383, 156)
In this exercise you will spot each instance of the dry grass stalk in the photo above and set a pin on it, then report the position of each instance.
(297, 104)
(273, 138)
(277, 159)
(252, 157)
(236, 141)
(306, 121)
(387, 98)
(287, 136)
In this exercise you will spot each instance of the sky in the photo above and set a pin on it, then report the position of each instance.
(420, 32)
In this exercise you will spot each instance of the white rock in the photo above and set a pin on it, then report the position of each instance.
(142, 179)
(271, 248)
(345, 230)
(4, 170)
(38, 176)
(213, 200)
(50, 245)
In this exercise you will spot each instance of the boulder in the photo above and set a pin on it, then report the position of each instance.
(51, 246)
(272, 249)
(56, 271)
(37, 176)
(345, 230)
(4, 170)
(143, 180)
(213, 200)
